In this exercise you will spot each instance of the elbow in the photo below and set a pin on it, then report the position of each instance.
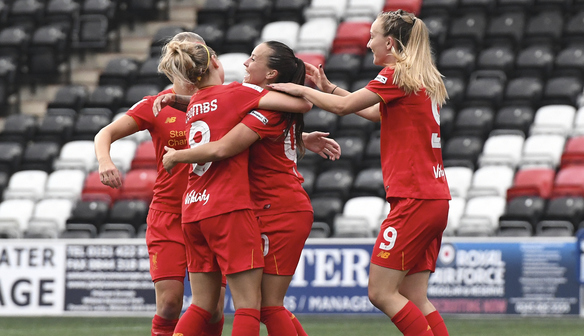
(220, 153)
(342, 110)
(306, 107)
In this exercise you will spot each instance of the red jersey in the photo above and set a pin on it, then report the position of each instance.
(411, 154)
(220, 187)
(276, 184)
(166, 130)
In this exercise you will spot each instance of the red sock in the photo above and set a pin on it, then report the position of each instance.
(437, 324)
(299, 330)
(214, 329)
(277, 321)
(162, 326)
(246, 322)
(411, 322)
(192, 321)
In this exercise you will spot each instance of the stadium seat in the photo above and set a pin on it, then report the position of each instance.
(14, 42)
(502, 148)
(368, 70)
(516, 5)
(254, 11)
(506, 29)
(18, 128)
(91, 32)
(573, 153)
(462, 150)
(570, 61)
(139, 184)
(145, 157)
(455, 87)
(40, 156)
(162, 36)
(76, 155)
(326, 208)
(447, 116)
(437, 29)
(352, 38)
(87, 126)
(342, 67)
(515, 117)
(233, 66)
(283, 31)
(477, 5)
(107, 96)
(148, 74)
(10, 156)
(351, 227)
(27, 14)
(491, 181)
(133, 212)
(334, 182)
(369, 182)
(137, 92)
(122, 153)
(474, 121)
(500, 58)
(241, 38)
(439, 6)
(574, 29)
(14, 217)
(28, 184)
(568, 208)
(514, 229)
(457, 61)
(117, 231)
(455, 212)
(49, 217)
(360, 217)
(292, 10)
(79, 231)
(532, 182)
(459, 180)
(481, 216)
(93, 189)
(562, 90)
(414, 6)
(569, 181)
(213, 35)
(352, 149)
(551, 228)
(486, 87)
(92, 212)
(535, 61)
(524, 91)
(363, 9)
(317, 35)
(219, 13)
(554, 119)
(544, 149)
(63, 13)
(468, 29)
(373, 151)
(141, 232)
(66, 184)
(546, 27)
(320, 230)
(352, 124)
(308, 173)
(4, 178)
(527, 208)
(326, 8)
(55, 128)
(48, 57)
(320, 120)
(120, 72)
(70, 96)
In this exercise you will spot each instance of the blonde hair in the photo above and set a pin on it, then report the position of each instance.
(186, 58)
(414, 68)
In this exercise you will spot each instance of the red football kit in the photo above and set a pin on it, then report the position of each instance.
(413, 174)
(216, 205)
(164, 236)
(283, 207)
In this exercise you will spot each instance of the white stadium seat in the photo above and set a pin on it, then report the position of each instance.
(459, 179)
(554, 119)
(14, 217)
(481, 216)
(491, 180)
(66, 183)
(326, 8)
(282, 31)
(77, 155)
(122, 153)
(50, 215)
(317, 35)
(367, 9)
(455, 212)
(502, 149)
(233, 66)
(360, 217)
(542, 150)
(28, 184)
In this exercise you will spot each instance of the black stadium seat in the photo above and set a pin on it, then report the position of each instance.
(213, 35)
(55, 128)
(524, 90)
(48, 53)
(148, 74)
(62, 13)
(369, 182)
(27, 14)
(342, 67)
(335, 182)
(289, 10)
(109, 96)
(569, 209)
(40, 156)
(455, 86)
(87, 126)
(133, 212)
(574, 29)
(457, 61)
(524, 208)
(70, 96)
(219, 13)
(545, 27)
(120, 71)
(535, 60)
(135, 93)
(18, 128)
(256, 11)
(570, 61)
(468, 29)
(10, 156)
(506, 29)
(320, 120)
(14, 43)
(486, 87)
(161, 37)
(474, 121)
(462, 151)
(497, 58)
(326, 208)
(562, 90)
(91, 212)
(241, 37)
(515, 117)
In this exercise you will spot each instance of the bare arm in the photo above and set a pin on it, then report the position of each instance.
(234, 142)
(120, 128)
(282, 102)
(179, 102)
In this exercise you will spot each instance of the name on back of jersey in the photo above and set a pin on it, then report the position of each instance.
(200, 108)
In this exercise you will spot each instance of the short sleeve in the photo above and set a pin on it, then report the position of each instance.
(383, 86)
(141, 112)
(265, 123)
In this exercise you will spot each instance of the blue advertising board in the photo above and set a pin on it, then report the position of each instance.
(473, 276)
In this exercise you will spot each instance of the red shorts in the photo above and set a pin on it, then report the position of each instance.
(229, 243)
(166, 247)
(284, 236)
(411, 235)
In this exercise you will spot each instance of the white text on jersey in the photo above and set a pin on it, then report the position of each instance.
(194, 197)
(201, 108)
(438, 171)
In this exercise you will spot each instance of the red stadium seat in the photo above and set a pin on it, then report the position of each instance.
(569, 182)
(412, 6)
(314, 59)
(534, 182)
(139, 184)
(573, 153)
(351, 38)
(145, 157)
(93, 189)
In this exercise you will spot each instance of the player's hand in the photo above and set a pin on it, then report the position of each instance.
(319, 143)
(317, 76)
(168, 159)
(289, 88)
(162, 101)
(109, 175)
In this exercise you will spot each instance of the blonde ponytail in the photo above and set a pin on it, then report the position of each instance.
(185, 61)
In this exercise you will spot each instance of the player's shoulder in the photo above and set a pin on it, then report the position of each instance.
(385, 76)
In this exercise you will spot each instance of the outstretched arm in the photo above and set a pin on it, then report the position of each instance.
(318, 142)
(108, 173)
(281, 102)
(234, 142)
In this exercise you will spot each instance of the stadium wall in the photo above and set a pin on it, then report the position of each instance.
(535, 276)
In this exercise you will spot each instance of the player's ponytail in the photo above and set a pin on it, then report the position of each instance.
(290, 69)
(185, 61)
(414, 68)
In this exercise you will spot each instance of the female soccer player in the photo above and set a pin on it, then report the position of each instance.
(409, 91)
(220, 228)
(164, 236)
(280, 203)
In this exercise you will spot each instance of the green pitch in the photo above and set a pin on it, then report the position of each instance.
(315, 326)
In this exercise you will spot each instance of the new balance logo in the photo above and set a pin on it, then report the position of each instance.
(170, 120)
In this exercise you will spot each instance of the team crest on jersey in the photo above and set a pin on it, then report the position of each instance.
(253, 86)
(260, 116)
(381, 79)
